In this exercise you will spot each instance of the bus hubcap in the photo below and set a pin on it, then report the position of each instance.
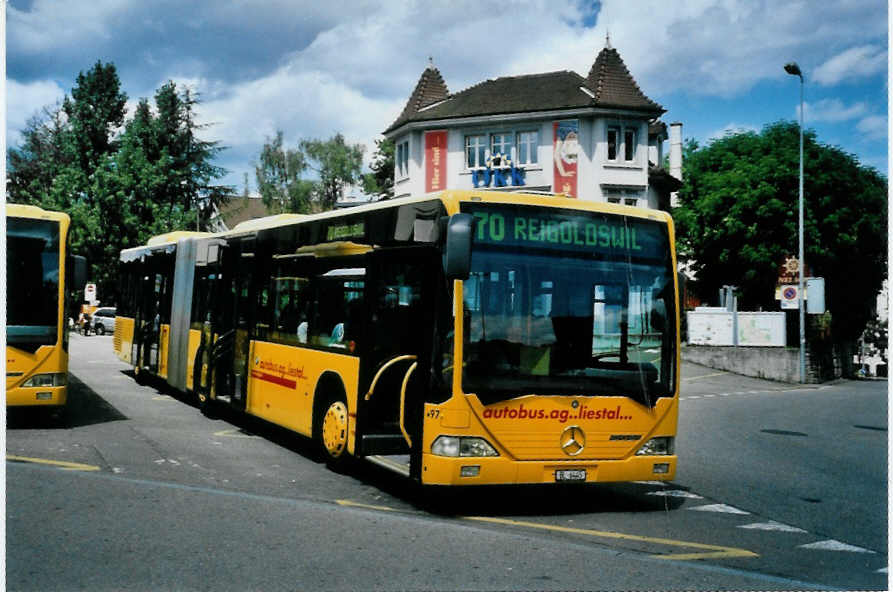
(334, 428)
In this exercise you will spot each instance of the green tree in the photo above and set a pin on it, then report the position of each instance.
(737, 219)
(278, 172)
(380, 181)
(120, 187)
(33, 165)
(337, 164)
(95, 110)
(189, 183)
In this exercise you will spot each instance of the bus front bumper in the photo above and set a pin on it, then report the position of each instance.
(37, 396)
(440, 470)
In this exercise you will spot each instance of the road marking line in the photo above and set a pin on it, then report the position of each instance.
(69, 466)
(721, 508)
(353, 504)
(703, 376)
(832, 545)
(772, 525)
(676, 493)
(714, 551)
(234, 433)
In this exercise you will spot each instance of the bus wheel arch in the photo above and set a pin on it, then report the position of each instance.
(331, 420)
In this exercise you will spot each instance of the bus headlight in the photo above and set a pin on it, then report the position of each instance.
(462, 446)
(46, 380)
(660, 446)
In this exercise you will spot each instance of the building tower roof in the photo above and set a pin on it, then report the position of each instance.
(613, 85)
(609, 85)
(429, 90)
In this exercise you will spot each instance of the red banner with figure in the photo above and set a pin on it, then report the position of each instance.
(566, 147)
(435, 160)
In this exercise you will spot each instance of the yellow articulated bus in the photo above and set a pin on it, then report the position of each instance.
(459, 338)
(36, 319)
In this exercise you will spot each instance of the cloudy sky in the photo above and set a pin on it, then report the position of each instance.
(312, 69)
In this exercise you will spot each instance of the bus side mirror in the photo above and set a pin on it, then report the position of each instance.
(457, 247)
(77, 266)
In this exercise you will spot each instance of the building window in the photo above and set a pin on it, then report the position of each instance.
(629, 144)
(620, 195)
(622, 141)
(613, 142)
(501, 144)
(527, 146)
(475, 148)
(402, 159)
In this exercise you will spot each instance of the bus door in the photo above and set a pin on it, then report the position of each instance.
(153, 311)
(231, 315)
(401, 330)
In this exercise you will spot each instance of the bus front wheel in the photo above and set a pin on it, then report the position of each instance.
(333, 425)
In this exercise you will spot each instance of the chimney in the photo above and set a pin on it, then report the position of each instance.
(676, 150)
(675, 158)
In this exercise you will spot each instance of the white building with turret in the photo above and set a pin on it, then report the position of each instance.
(597, 137)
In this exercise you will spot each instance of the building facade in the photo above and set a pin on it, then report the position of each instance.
(596, 137)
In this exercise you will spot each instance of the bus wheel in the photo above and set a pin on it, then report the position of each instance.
(333, 433)
(139, 375)
(205, 404)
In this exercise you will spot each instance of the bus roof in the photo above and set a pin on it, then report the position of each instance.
(450, 198)
(172, 237)
(25, 211)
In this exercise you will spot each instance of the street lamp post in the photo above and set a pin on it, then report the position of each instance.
(794, 70)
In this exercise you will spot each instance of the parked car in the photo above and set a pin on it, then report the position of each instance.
(103, 320)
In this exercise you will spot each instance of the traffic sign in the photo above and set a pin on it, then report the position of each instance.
(790, 297)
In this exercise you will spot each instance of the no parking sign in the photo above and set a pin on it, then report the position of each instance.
(790, 297)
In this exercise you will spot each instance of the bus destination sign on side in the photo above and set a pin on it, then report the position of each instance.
(343, 231)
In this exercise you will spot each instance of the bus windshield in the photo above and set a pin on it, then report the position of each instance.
(32, 280)
(585, 305)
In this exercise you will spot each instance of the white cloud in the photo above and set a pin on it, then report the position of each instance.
(302, 105)
(314, 69)
(724, 47)
(832, 111)
(732, 128)
(23, 101)
(856, 62)
(874, 127)
(50, 25)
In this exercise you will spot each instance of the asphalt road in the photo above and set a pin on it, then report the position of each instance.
(779, 488)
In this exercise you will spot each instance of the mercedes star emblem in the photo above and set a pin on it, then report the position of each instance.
(572, 440)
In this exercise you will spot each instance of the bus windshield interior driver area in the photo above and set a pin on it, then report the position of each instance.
(458, 338)
(569, 318)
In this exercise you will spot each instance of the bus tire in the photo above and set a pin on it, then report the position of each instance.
(206, 405)
(331, 426)
(139, 375)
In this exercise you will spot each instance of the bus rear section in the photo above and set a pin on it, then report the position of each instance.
(567, 333)
(36, 336)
